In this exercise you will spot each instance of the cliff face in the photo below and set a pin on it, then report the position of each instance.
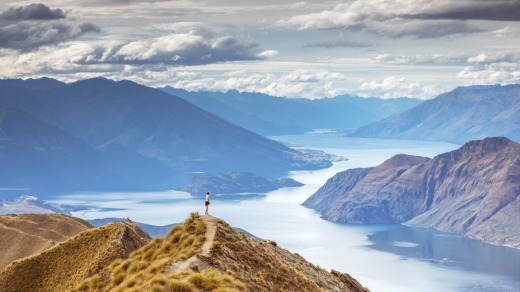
(473, 191)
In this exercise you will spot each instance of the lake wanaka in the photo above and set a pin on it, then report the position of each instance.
(383, 258)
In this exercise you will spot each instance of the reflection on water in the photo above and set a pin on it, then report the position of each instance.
(448, 250)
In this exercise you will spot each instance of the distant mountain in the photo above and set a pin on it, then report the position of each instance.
(201, 254)
(463, 114)
(236, 182)
(83, 133)
(271, 115)
(474, 191)
(28, 234)
(37, 157)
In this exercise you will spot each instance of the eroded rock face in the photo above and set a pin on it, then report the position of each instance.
(473, 191)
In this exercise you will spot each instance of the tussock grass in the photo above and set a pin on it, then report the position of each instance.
(65, 265)
(147, 268)
(37, 232)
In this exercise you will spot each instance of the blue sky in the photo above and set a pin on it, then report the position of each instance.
(313, 49)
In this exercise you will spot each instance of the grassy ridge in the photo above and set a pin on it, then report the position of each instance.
(37, 232)
(149, 268)
(68, 263)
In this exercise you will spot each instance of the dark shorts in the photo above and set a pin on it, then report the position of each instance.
(206, 203)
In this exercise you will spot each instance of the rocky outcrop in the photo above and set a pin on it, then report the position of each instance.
(473, 191)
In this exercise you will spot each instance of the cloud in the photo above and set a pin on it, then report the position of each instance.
(422, 59)
(28, 27)
(337, 44)
(497, 10)
(187, 49)
(492, 67)
(32, 12)
(394, 87)
(395, 19)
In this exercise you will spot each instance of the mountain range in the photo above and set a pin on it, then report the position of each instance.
(202, 254)
(466, 113)
(99, 134)
(473, 191)
(271, 115)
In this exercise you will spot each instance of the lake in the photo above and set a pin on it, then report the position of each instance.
(383, 258)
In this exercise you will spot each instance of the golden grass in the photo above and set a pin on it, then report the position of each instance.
(68, 263)
(147, 268)
(37, 232)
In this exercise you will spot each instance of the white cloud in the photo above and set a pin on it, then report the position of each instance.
(267, 54)
(492, 67)
(393, 87)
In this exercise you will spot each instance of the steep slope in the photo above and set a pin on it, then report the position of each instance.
(157, 125)
(27, 234)
(463, 114)
(61, 267)
(206, 254)
(474, 191)
(40, 157)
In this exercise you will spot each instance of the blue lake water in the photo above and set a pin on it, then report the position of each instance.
(383, 258)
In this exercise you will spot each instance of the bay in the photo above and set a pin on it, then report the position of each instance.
(383, 258)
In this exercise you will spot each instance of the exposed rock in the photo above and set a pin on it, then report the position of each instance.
(473, 191)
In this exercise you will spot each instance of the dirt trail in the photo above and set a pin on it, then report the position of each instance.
(211, 228)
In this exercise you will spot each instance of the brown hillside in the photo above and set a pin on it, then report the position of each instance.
(61, 267)
(28, 234)
(473, 191)
(206, 254)
(263, 266)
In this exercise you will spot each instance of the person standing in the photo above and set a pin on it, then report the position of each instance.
(207, 202)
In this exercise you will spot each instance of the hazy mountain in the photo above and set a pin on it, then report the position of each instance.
(37, 157)
(460, 115)
(28, 234)
(474, 191)
(270, 115)
(85, 132)
(202, 254)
